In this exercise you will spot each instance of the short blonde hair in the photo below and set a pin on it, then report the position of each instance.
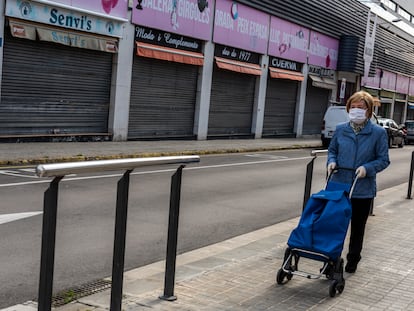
(361, 96)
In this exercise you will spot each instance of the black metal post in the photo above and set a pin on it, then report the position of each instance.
(47, 259)
(119, 242)
(410, 180)
(172, 236)
(308, 182)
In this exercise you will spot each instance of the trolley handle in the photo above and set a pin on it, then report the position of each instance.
(354, 178)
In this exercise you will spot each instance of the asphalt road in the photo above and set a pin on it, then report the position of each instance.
(222, 196)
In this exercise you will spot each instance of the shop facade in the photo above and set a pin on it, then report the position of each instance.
(57, 68)
(190, 69)
(240, 36)
(287, 48)
(168, 57)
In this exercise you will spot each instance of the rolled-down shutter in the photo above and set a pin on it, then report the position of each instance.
(49, 88)
(231, 106)
(317, 100)
(280, 107)
(163, 97)
(398, 111)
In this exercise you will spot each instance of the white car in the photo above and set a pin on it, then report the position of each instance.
(334, 115)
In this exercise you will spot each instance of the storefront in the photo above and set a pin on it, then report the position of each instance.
(288, 45)
(240, 37)
(232, 92)
(57, 69)
(387, 94)
(321, 84)
(400, 106)
(410, 104)
(168, 59)
(281, 97)
(164, 85)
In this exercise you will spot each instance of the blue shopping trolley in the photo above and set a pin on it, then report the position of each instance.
(321, 232)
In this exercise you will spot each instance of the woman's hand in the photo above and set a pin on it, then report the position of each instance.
(361, 172)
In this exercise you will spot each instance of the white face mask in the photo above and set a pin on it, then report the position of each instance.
(357, 115)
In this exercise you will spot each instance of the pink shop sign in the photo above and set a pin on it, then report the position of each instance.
(190, 18)
(115, 8)
(402, 84)
(411, 87)
(323, 50)
(388, 80)
(240, 26)
(372, 82)
(288, 40)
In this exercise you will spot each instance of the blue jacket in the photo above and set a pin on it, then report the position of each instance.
(368, 148)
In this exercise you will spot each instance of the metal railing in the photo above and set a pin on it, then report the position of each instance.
(50, 204)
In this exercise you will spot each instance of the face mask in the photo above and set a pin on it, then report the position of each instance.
(357, 115)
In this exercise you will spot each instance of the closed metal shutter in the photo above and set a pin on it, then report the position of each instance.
(280, 107)
(50, 88)
(317, 100)
(163, 96)
(231, 104)
(410, 112)
(398, 111)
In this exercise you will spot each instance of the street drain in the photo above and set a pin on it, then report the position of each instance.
(74, 293)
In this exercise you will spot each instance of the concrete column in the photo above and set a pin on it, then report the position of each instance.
(121, 85)
(260, 99)
(202, 107)
(2, 11)
(392, 106)
(300, 103)
(404, 118)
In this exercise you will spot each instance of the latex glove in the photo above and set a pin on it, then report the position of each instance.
(361, 172)
(331, 167)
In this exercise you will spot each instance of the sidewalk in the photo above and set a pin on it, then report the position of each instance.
(35, 153)
(240, 273)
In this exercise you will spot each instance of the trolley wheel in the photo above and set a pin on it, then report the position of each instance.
(336, 286)
(341, 286)
(332, 288)
(280, 276)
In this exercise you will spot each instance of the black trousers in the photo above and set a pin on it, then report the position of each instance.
(360, 213)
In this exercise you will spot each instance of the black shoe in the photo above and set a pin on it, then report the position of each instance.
(352, 263)
(351, 267)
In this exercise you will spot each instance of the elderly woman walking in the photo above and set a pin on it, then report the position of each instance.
(361, 145)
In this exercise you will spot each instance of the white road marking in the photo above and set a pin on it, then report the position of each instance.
(266, 156)
(30, 170)
(16, 216)
(17, 174)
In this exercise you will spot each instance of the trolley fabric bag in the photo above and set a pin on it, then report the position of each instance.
(324, 223)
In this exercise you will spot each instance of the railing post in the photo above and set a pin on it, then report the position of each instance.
(58, 171)
(308, 182)
(47, 259)
(172, 236)
(119, 241)
(410, 180)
